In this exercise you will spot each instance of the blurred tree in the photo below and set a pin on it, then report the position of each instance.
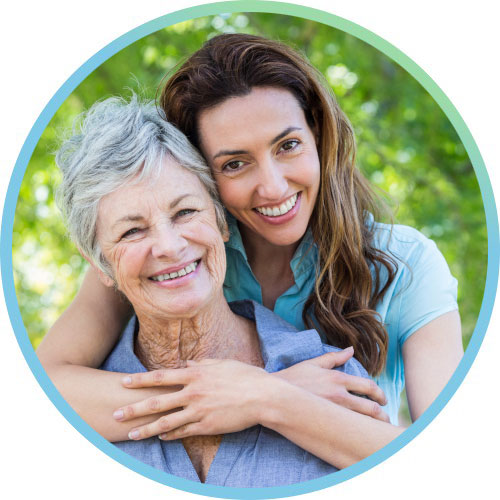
(406, 146)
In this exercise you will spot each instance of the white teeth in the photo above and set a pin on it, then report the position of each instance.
(278, 210)
(182, 272)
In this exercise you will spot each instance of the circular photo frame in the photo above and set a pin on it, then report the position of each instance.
(344, 76)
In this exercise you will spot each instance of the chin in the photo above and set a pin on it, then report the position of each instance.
(286, 238)
(184, 306)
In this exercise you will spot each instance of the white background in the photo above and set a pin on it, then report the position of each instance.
(43, 43)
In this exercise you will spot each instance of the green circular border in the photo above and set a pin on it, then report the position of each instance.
(313, 15)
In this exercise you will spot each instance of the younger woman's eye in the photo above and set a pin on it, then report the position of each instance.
(232, 166)
(289, 145)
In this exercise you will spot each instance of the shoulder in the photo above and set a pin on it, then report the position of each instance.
(122, 358)
(406, 245)
(265, 319)
(423, 288)
(398, 238)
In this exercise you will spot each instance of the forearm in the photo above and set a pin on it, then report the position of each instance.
(96, 394)
(329, 431)
(78, 343)
(88, 329)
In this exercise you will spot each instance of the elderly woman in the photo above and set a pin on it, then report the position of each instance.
(142, 208)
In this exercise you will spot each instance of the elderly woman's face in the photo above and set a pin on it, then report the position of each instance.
(163, 244)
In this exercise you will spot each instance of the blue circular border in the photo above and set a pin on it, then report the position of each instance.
(276, 8)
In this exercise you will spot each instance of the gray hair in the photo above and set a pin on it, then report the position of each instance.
(111, 144)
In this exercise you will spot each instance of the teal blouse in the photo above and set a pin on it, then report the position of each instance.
(422, 290)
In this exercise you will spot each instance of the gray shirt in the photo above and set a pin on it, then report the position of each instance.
(255, 457)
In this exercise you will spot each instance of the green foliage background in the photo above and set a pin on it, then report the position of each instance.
(406, 146)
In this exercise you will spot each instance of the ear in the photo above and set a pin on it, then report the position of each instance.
(103, 277)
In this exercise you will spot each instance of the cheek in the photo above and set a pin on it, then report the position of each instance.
(310, 172)
(127, 262)
(207, 235)
(219, 261)
(316, 177)
(233, 192)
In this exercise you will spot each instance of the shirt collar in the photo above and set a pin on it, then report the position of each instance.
(281, 344)
(235, 241)
(305, 257)
(122, 357)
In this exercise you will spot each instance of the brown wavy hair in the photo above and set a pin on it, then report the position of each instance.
(346, 290)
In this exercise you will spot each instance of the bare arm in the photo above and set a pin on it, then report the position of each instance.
(335, 434)
(431, 355)
(77, 344)
(342, 437)
(95, 394)
(88, 329)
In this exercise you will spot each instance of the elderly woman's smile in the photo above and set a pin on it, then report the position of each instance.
(161, 240)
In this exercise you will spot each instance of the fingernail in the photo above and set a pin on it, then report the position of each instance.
(161, 436)
(133, 434)
(118, 414)
(127, 380)
(351, 348)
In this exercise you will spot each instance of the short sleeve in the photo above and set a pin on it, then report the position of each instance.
(426, 289)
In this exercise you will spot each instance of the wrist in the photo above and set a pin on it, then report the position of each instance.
(277, 399)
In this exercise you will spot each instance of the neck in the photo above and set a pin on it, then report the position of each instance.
(215, 332)
(262, 253)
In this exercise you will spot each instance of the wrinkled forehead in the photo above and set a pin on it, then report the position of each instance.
(149, 191)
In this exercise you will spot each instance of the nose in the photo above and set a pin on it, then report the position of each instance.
(168, 242)
(272, 183)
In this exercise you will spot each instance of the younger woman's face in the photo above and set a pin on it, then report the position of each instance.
(264, 158)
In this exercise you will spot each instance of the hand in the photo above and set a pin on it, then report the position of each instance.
(217, 397)
(316, 376)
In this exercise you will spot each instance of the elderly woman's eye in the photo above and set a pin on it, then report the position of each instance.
(130, 232)
(289, 145)
(185, 211)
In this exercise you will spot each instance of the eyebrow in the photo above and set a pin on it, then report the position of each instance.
(231, 152)
(179, 199)
(138, 217)
(128, 218)
(283, 134)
